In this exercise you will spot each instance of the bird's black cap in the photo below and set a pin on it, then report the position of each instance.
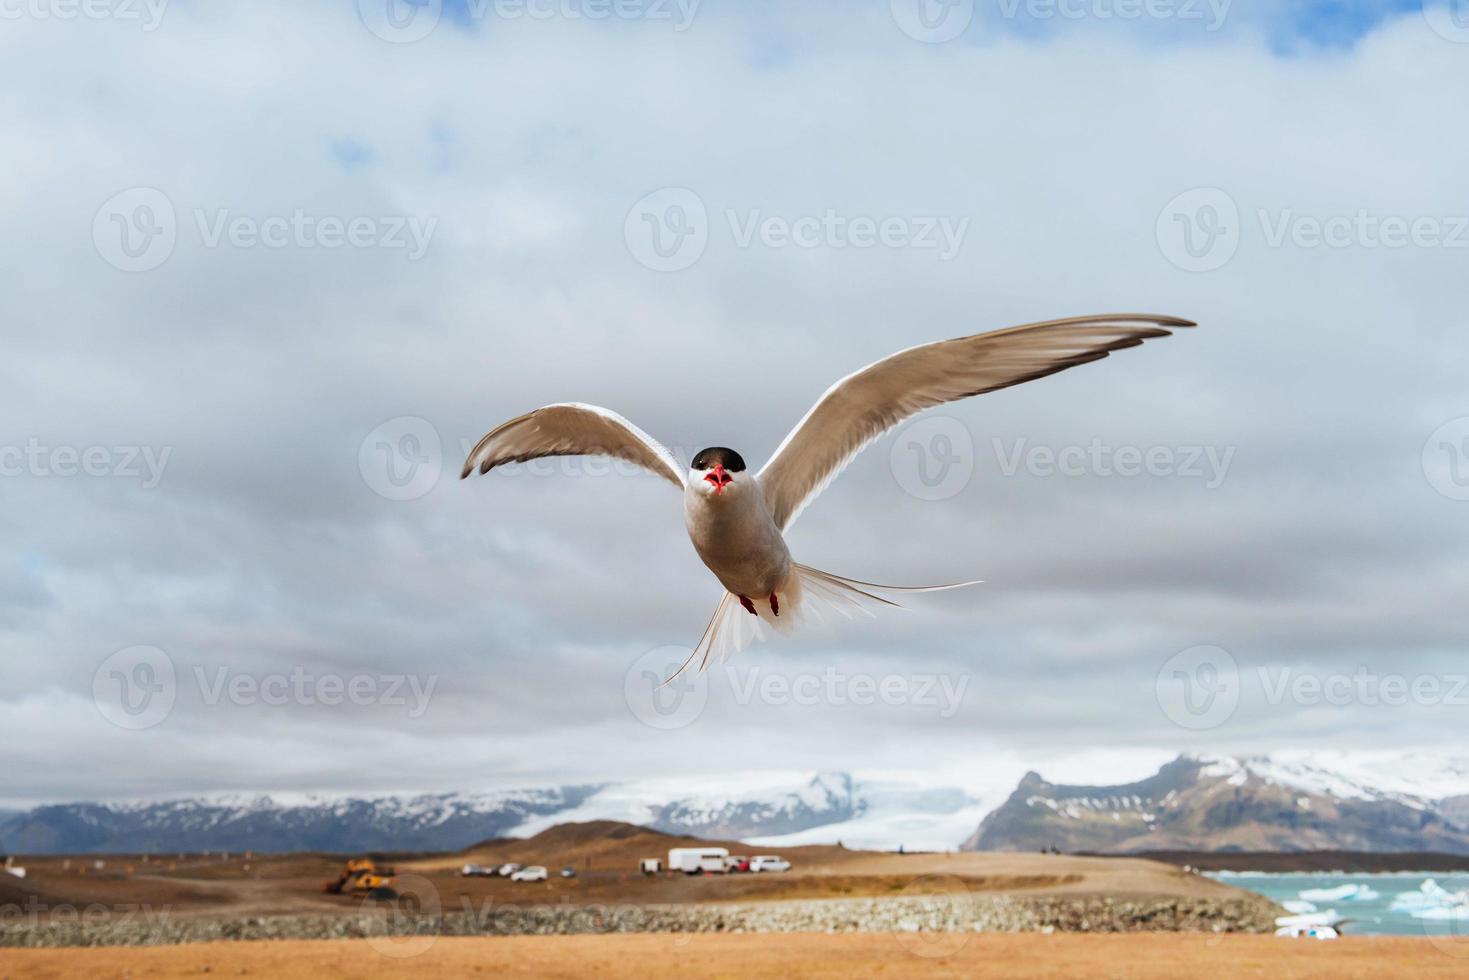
(718, 454)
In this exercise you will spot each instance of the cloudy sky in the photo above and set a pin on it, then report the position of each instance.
(268, 270)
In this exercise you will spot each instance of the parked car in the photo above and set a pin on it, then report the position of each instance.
(650, 866)
(737, 862)
(476, 871)
(568, 872)
(534, 873)
(508, 869)
(769, 862)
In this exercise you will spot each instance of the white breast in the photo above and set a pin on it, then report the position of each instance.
(736, 537)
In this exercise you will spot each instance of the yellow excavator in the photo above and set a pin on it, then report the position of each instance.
(362, 876)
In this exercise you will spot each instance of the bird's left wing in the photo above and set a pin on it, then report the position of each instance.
(572, 429)
(862, 406)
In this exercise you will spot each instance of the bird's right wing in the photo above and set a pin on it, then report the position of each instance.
(572, 429)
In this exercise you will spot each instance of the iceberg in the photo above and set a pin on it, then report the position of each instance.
(1297, 906)
(1411, 902)
(1433, 901)
(1341, 893)
(1452, 913)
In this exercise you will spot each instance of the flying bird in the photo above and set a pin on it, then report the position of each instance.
(738, 521)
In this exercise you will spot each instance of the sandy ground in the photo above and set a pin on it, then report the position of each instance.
(807, 955)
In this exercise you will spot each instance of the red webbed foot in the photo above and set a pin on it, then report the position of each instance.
(774, 604)
(749, 606)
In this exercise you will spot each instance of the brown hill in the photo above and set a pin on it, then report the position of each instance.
(602, 845)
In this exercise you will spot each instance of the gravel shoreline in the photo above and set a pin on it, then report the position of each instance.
(912, 915)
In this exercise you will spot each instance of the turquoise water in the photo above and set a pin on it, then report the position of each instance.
(1369, 916)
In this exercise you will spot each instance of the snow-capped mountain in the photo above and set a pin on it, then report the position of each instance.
(825, 799)
(434, 821)
(1286, 802)
(827, 806)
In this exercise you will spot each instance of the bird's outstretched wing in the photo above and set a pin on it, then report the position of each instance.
(862, 406)
(572, 429)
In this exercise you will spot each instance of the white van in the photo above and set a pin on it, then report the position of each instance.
(696, 860)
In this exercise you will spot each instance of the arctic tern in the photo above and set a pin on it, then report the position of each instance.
(737, 522)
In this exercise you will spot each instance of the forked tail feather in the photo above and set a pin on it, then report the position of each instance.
(811, 591)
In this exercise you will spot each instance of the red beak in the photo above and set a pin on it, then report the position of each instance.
(719, 478)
